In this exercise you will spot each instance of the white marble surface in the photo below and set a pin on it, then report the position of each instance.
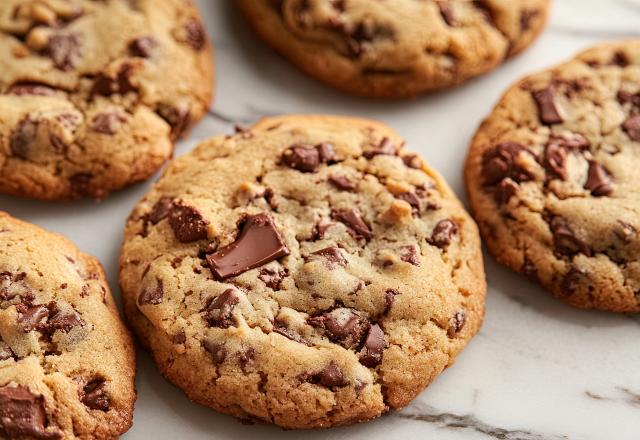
(537, 370)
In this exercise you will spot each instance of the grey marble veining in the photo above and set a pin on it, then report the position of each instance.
(537, 370)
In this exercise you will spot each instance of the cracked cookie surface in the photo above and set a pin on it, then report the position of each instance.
(93, 93)
(67, 363)
(552, 179)
(396, 48)
(307, 272)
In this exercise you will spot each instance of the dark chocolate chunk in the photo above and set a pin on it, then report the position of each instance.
(446, 10)
(95, 396)
(456, 323)
(120, 83)
(272, 277)
(64, 50)
(291, 334)
(107, 123)
(549, 110)
(342, 182)
(259, 243)
(374, 346)
(329, 376)
(177, 116)
(217, 350)
(22, 414)
(143, 46)
(389, 299)
(160, 210)
(385, 147)
(152, 296)
(81, 184)
(62, 321)
(410, 254)
(506, 189)
(23, 138)
(620, 59)
(525, 18)
(443, 233)
(555, 160)
(246, 356)
(30, 317)
(353, 219)
(565, 240)
(332, 257)
(500, 162)
(632, 127)
(412, 161)
(341, 325)
(195, 35)
(599, 181)
(218, 312)
(412, 199)
(572, 281)
(187, 222)
(307, 158)
(326, 152)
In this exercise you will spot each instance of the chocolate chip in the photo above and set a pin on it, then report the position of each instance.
(160, 210)
(565, 240)
(326, 152)
(374, 345)
(555, 160)
(443, 233)
(273, 278)
(352, 218)
(389, 299)
(549, 111)
(81, 184)
(332, 257)
(632, 127)
(152, 296)
(291, 334)
(108, 84)
(342, 182)
(23, 137)
(31, 88)
(456, 323)
(259, 243)
(506, 189)
(22, 414)
(62, 321)
(64, 50)
(180, 337)
(107, 123)
(195, 35)
(360, 36)
(246, 356)
(385, 147)
(446, 11)
(599, 182)
(94, 395)
(30, 317)
(625, 231)
(177, 116)
(218, 310)
(341, 325)
(410, 254)
(412, 199)
(525, 18)
(217, 350)
(500, 162)
(143, 46)
(625, 97)
(187, 222)
(572, 281)
(307, 158)
(412, 161)
(620, 59)
(329, 376)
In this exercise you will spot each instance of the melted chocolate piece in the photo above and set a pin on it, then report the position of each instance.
(219, 310)
(506, 189)
(329, 376)
(160, 210)
(632, 127)
(108, 84)
(187, 222)
(548, 108)
(389, 299)
(31, 88)
(443, 233)
(412, 161)
(342, 182)
(291, 334)
(94, 395)
(565, 240)
(152, 296)
(107, 123)
(196, 37)
(353, 219)
(410, 254)
(385, 147)
(62, 321)
(273, 278)
(23, 137)
(412, 199)
(500, 162)
(64, 50)
(22, 414)
(31, 317)
(572, 281)
(332, 257)
(446, 11)
(374, 346)
(259, 243)
(218, 351)
(341, 325)
(177, 116)
(307, 158)
(142, 47)
(555, 160)
(599, 182)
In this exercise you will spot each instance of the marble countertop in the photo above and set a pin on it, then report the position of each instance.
(537, 370)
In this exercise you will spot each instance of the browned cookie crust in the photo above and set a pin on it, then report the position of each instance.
(396, 48)
(67, 362)
(553, 181)
(93, 93)
(306, 272)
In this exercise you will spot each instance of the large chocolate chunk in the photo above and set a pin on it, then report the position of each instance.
(142, 46)
(549, 110)
(374, 346)
(258, 244)
(22, 414)
(23, 137)
(160, 210)
(341, 325)
(217, 350)
(342, 182)
(307, 158)
(31, 317)
(64, 50)
(120, 83)
(386, 147)
(599, 181)
(94, 395)
(332, 257)
(443, 233)
(329, 376)
(219, 310)
(152, 295)
(353, 219)
(565, 240)
(500, 162)
(187, 222)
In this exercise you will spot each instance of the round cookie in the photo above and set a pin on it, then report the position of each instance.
(93, 93)
(552, 179)
(67, 363)
(306, 272)
(396, 48)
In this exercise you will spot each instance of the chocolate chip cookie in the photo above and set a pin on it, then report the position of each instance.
(552, 178)
(396, 48)
(93, 93)
(307, 272)
(67, 362)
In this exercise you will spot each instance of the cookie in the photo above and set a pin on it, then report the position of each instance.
(396, 48)
(307, 272)
(67, 363)
(93, 93)
(552, 179)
